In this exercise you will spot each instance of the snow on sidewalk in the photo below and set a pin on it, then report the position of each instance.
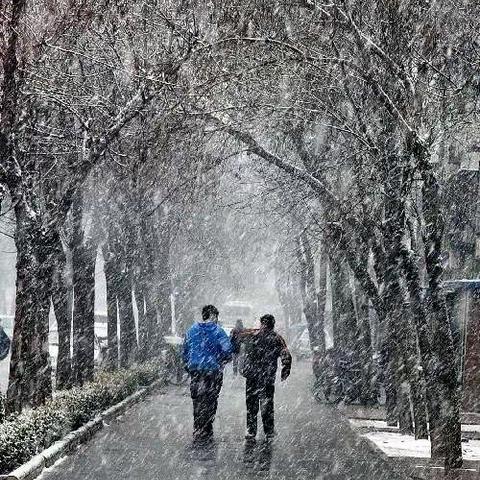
(398, 445)
(382, 426)
(412, 457)
(395, 444)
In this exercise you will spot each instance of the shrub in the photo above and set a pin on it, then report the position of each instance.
(23, 436)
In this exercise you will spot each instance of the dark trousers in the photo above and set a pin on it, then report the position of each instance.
(204, 389)
(260, 396)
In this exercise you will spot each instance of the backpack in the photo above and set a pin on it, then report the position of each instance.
(4, 344)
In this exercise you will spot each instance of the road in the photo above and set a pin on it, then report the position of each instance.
(153, 441)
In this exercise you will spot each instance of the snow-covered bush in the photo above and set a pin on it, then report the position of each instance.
(24, 435)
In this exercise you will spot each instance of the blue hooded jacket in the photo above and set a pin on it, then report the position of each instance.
(206, 347)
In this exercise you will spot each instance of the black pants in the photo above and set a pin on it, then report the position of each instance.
(204, 388)
(260, 396)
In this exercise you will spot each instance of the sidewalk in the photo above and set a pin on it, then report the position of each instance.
(153, 441)
(412, 456)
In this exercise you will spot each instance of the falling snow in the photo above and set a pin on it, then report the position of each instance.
(239, 239)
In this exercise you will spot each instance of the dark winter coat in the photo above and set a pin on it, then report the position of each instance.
(235, 334)
(263, 348)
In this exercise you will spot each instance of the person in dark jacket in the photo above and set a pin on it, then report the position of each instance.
(237, 356)
(206, 350)
(263, 348)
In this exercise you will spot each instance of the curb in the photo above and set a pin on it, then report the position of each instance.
(48, 457)
(375, 449)
(406, 470)
(379, 452)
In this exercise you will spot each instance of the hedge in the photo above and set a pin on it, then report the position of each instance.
(23, 436)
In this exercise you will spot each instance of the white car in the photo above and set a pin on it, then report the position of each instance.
(234, 310)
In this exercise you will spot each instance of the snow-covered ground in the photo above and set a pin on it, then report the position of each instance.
(395, 444)
(382, 425)
(398, 445)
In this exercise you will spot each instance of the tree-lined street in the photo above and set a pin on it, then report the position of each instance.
(315, 162)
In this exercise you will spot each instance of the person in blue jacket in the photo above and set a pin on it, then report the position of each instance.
(206, 350)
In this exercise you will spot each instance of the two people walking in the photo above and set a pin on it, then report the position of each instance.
(207, 349)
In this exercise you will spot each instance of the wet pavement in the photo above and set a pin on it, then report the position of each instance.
(153, 441)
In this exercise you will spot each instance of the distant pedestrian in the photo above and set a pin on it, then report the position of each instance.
(263, 348)
(207, 349)
(4, 344)
(237, 356)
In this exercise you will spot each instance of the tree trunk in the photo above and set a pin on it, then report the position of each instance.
(119, 257)
(310, 296)
(164, 309)
(30, 373)
(280, 287)
(62, 304)
(146, 262)
(84, 254)
(420, 394)
(414, 376)
(288, 291)
(151, 323)
(444, 414)
(343, 311)
(405, 419)
(84, 259)
(394, 173)
(128, 331)
(405, 375)
(322, 294)
(390, 364)
(142, 321)
(162, 291)
(112, 308)
(369, 393)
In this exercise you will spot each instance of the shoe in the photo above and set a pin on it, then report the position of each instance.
(250, 436)
(203, 438)
(271, 435)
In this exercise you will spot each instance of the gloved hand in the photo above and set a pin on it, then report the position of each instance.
(284, 375)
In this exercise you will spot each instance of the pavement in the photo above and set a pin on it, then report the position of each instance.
(153, 441)
(411, 456)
